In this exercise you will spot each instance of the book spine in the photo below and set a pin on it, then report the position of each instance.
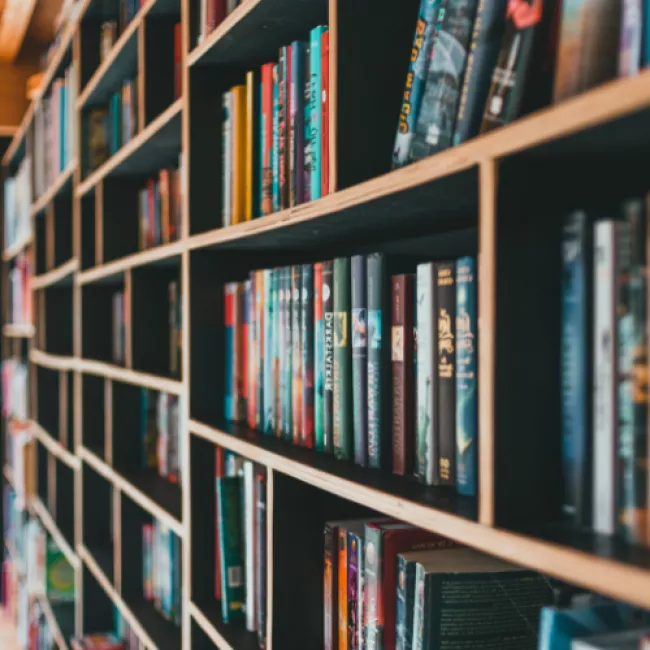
(342, 406)
(266, 129)
(253, 352)
(315, 106)
(325, 112)
(330, 594)
(378, 413)
(404, 603)
(307, 344)
(269, 392)
(319, 353)
(353, 593)
(328, 360)
(283, 111)
(419, 611)
(446, 370)
(296, 352)
(275, 337)
(260, 553)
(359, 360)
(275, 151)
(297, 177)
(250, 543)
(230, 292)
(260, 336)
(245, 289)
(402, 374)
(282, 346)
(427, 451)
(249, 163)
(288, 356)
(238, 195)
(574, 363)
(629, 54)
(373, 589)
(466, 378)
(307, 194)
(343, 589)
(291, 127)
(415, 80)
(227, 158)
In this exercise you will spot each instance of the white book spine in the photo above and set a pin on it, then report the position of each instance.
(249, 523)
(604, 376)
(227, 157)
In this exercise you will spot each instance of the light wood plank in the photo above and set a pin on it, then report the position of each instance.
(15, 249)
(59, 183)
(39, 509)
(56, 275)
(55, 447)
(52, 361)
(18, 331)
(14, 22)
(208, 628)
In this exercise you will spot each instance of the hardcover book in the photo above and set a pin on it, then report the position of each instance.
(296, 352)
(359, 360)
(343, 587)
(253, 353)
(631, 34)
(259, 351)
(342, 403)
(275, 151)
(307, 344)
(227, 156)
(250, 530)
(330, 582)
(266, 130)
(283, 116)
(268, 422)
(251, 207)
(325, 112)
(286, 356)
(355, 569)
(307, 195)
(319, 358)
(328, 362)
(275, 338)
(260, 553)
(297, 126)
(316, 127)
(238, 152)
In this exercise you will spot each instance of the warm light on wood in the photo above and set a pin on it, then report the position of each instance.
(13, 27)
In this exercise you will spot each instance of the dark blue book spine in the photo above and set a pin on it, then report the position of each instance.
(466, 379)
(576, 375)
(359, 360)
(298, 121)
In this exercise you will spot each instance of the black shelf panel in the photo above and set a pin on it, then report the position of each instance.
(103, 555)
(165, 634)
(64, 613)
(236, 635)
(166, 494)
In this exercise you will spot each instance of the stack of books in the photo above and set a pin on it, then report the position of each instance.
(54, 131)
(121, 306)
(308, 360)
(160, 209)
(240, 581)
(161, 565)
(18, 204)
(160, 433)
(275, 143)
(20, 310)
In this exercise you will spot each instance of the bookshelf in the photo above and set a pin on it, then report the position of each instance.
(488, 196)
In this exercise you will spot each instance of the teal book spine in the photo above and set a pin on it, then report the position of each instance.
(277, 354)
(404, 603)
(269, 392)
(230, 547)
(466, 378)
(287, 367)
(342, 361)
(316, 82)
(275, 153)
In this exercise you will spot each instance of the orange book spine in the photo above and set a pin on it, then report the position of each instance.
(238, 154)
(164, 205)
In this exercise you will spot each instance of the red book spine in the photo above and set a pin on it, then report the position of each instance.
(218, 12)
(325, 108)
(178, 76)
(245, 324)
(402, 371)
(218, 473)
(267, 138)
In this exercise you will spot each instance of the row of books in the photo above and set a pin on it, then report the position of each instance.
(275, 143)
(475, 66)
(20, 311)
(18, 204)
(160, 209)
(240, 533)
(160, 433)
(161, 566)
(307, 360)
(212, 14)
(54, 130)
(604, 360)
(110, 30)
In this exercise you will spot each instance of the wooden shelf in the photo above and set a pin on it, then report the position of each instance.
(55, 447)
(225, 636)
(165, 634)
(60, 618)
(116, 373)
(145, 153)
(52, 361)
(15, 249)
(62, 185)
(39, 509)
(62, 275)
(12, 331)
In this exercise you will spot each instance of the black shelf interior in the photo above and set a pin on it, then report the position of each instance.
(92, 433)
(166, 494)
(165, 634)
(64, 613)
(64, 515)
(236, 635)
(103, 556)
(98, 607)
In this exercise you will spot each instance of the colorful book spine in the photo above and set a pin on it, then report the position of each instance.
(328, 360)
(319, 358)
(268, 422)
(307, 344)
(245, 290)
(419, 610)
(230, 310)
(260, 339)
(330, 584)
(296, 353)
(226, 188)
(415, 81)
(277, 354)
(253, 351)
(342, 404)
(232, 563)
(405, 603)
(297, 126)
(238, 196)
(359, 359)
(250, 508)
(315, 70)
(308, 152)
(427, 451)
(401, 366)
(575, 355)
(343, 588)
(288, 356)
(282, 346)
(355, 550)
(631, 36)
(260, 554)
(250, 164)
(275, 151)
(266, 130)
(284, 109)
(446, 369)
(325, 112)
(147, 561)
(466, 379)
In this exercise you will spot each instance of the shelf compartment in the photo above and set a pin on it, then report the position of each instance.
(61, 276)
(62, 186)
(213, 630)
(64, 511)
(55, 321)
(60, 618)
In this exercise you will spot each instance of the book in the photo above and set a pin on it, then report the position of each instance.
(342, 381)
(275, 150)
(325, 112)
(623, 640)
(379, 407)
(268, 421)
(355, 594)
(308, 153)
(227, 158)
(307, 345)
(359, 359)
(260, 335)
(260, 554)
(439, 105)
(466, 377)
(250, 506)
(446, 369)
(401, 369)
(330, 586)
(631, 34)
(282, 346)
(231, 327)
(178, 67)
(427, 456)
(328, 360)
(253, 351)
(487, 34)
(319, 358)
(297, 125)
(284, 108)
(251, 209)
(588, 46)
(266, 130)
(288, 356)
(275, 338)
(575, 363)
(232, 562)
(296, 353)
(238, 192)
(343, 587)
(316, 125)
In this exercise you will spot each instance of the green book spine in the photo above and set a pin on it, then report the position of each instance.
(342, 361)
(230, 546)
(373, 587)
(404, 604)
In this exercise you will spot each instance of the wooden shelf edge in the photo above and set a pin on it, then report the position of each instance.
(55, 447)
(55, 275)
(220, 31)
(209, 629)
(39, 509)
(129, 148)
(52, 361)
(141, 258)
(8, 131)
(117, 373)
(11, 251)
(13, 331)
(142, 499)
(19, 134)
(52, 622)
(51, 192)
(87, 558)
(616, 579)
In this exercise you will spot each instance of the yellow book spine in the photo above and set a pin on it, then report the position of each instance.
(250, 116)
(238, 154)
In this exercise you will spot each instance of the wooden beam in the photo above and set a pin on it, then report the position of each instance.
(14, 22)
(13, 96)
